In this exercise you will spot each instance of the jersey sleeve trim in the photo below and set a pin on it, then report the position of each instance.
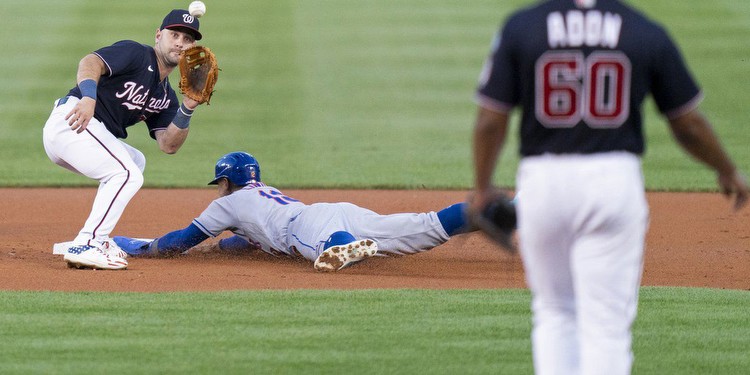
(109, 68)
(685, 108)
(204, 229)
(493, 105)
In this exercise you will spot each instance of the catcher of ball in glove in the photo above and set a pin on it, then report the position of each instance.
(497, 220)
(198, 73)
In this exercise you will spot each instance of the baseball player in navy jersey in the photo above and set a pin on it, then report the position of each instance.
(332, 235)
(118, 86)
(580, 70)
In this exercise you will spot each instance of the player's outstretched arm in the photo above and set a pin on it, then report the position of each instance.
(695, 134)
(178, 241)
(171, 139)
(169, 244)
(234, 244)
(199, 71)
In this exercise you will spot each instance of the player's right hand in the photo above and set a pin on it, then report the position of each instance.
(480, 198)
(79, 117)
(735, 184)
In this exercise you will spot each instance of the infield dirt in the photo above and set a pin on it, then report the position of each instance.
(694, 240)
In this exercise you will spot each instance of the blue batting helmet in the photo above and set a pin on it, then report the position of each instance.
(238, 167)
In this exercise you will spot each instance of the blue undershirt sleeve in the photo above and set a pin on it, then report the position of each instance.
(179, 240)
(234, 243)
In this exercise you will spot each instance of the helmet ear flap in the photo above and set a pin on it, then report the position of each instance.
(252, 171)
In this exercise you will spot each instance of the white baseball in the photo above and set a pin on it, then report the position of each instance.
(197, 9)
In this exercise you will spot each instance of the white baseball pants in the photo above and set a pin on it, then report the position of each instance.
(582, 226)
(97, 154)
(398, 234)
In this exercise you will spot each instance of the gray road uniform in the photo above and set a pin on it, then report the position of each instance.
(279, 224)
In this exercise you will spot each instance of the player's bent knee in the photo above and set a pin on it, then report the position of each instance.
(136, 178)
(132, 177)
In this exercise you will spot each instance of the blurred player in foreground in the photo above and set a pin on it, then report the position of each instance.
(580, 70)
(332, 235)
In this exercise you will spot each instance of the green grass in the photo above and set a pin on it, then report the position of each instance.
(367, 332)
(692, 331)
(679, 331)
(361, 94)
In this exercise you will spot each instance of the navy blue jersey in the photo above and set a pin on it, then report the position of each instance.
(131, 91)
(581, 75)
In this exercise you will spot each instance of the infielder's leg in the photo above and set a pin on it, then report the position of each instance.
(97, 154)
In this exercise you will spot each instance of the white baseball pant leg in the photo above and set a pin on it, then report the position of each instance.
(97, 154)
(402, 233)
(582, 226)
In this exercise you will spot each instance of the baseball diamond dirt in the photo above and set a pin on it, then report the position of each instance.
(694, 240)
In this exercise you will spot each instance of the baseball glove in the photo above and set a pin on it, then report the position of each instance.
(198, 73)
(497, 220)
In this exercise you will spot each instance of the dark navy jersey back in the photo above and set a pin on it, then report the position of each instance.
(131, 91)
(581, 76)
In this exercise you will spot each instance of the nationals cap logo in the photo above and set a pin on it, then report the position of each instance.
(181, 19)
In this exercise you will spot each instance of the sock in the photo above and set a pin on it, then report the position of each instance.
(452, 218)
(339, 238)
